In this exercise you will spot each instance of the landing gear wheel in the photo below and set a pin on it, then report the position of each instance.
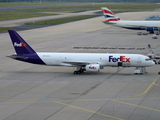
(79, 72)
(82, 71)
(140, 70)
(75, 72)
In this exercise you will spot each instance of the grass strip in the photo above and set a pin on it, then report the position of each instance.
(2, 29)
(61, 20)
(19, 15)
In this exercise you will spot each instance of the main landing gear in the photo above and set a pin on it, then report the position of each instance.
(79, 70)
(140, 70)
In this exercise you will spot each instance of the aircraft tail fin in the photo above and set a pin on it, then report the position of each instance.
(109, 15)
(19, 44)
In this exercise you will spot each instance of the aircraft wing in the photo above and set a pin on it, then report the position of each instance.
(143, 26)
(136, 26)
(78, 63)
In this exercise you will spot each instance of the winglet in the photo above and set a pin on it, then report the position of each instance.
(19, 44)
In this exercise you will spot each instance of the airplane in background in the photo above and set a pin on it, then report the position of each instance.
(111, 18)
(91, 62)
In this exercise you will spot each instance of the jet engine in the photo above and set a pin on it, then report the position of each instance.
(153, 29)
(150, 29)
(93, 67)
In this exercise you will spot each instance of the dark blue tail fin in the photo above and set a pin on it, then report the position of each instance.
(19, 44)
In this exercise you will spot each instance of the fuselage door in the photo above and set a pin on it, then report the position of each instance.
(120, 64)
(139, 62)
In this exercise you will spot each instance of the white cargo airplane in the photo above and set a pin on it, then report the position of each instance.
(111, 18)
(92, 62)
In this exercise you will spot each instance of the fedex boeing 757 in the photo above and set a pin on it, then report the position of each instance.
(112, 19)
(92, 62)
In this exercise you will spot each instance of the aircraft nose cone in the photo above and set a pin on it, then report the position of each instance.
(150, 63)
(153, 63)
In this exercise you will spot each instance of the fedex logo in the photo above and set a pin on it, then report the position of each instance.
(92, 67)
(20, 44)
(121, 58)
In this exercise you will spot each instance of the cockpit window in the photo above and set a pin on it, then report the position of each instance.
(148, 59)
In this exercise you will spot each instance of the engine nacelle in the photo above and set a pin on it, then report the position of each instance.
(93, 67)
(150, 29)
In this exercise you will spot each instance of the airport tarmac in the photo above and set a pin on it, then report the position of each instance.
(33, 92)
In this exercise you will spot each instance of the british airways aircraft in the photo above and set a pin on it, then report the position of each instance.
(111, 18)
(92, 62)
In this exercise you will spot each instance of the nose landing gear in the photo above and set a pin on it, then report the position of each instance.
(140, 70)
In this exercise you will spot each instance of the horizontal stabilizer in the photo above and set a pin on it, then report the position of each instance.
(18, 57)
